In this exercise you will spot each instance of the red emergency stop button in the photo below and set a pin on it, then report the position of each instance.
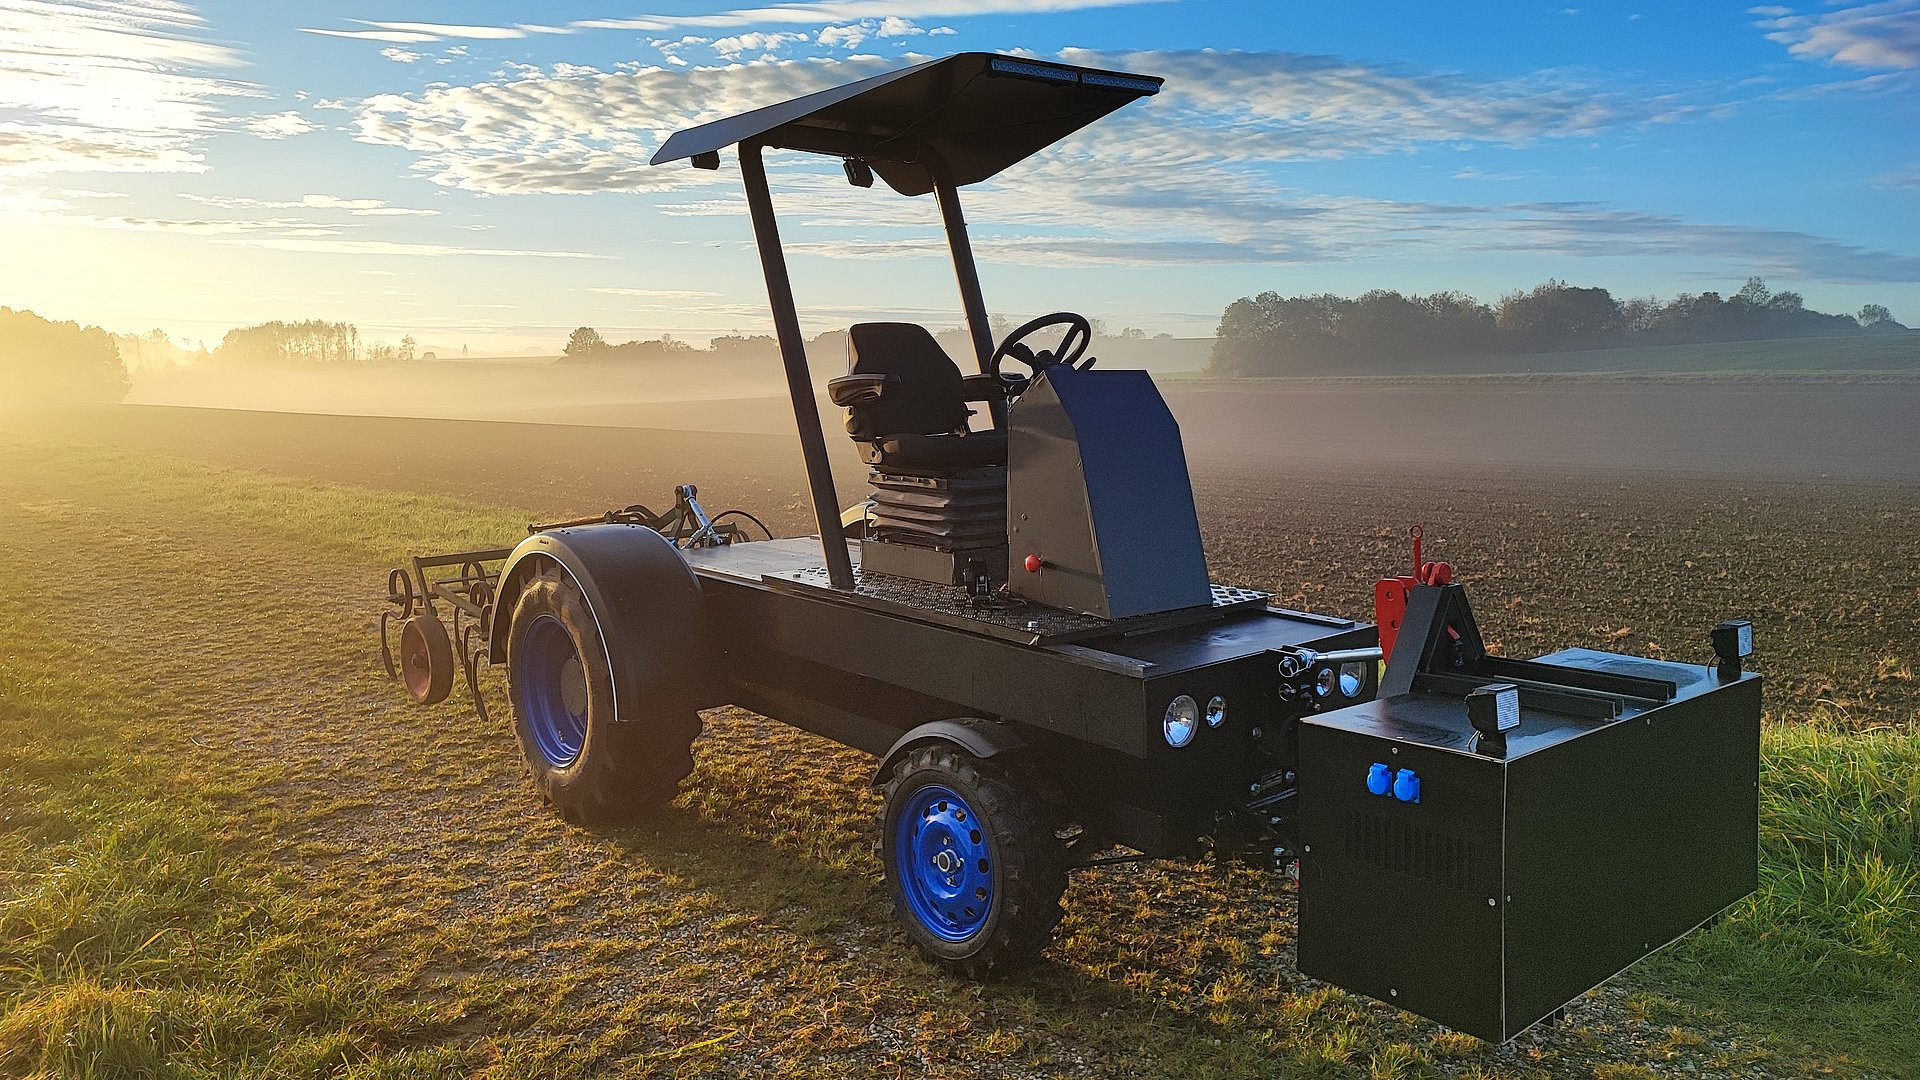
(1034, 563)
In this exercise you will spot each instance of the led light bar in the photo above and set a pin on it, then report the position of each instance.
(1034, 71)
(1121, 82)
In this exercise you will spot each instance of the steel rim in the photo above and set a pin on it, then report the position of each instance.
(551, 685)
(942, 862)
(416, 659)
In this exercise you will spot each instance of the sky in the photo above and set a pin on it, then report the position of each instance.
(474, 174)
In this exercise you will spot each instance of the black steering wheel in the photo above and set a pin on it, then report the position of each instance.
(1073, 345)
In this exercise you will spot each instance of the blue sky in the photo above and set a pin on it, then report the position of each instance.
(474, 173)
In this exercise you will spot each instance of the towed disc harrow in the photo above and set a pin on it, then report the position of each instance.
(443, 604)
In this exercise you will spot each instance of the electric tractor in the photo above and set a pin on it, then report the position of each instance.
(1019, 624)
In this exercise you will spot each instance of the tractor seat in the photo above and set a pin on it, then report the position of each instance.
(906, 402)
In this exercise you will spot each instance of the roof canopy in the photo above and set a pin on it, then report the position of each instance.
(977, 113)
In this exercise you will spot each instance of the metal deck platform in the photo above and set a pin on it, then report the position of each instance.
(1003, 617)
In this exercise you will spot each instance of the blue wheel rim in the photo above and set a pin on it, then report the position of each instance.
(551, 685)
(941, 860)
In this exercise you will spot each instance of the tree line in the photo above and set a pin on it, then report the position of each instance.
(312, 341)
(1269, 334)
(62, 362)
(588, 345)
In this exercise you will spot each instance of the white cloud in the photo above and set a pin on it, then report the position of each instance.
(109, 86)
(893, 26)
(731, 47)
(844, 37)
(1196, 175)
(845, 11)
(443, 30)
(332, 103)
(1879, 35)
(276, 125)
(580, 133)
(656, 294)
(356, 207)
(398, 37)
(400, 56)
(417, 33)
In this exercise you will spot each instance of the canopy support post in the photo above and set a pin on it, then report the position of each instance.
(964, 269)
(967, 273)
(793, 356)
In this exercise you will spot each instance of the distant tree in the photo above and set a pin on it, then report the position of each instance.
(1638, 314)
(585, 343)
(44, 361)
(1754, 292)
(429, 356)
(381, 353)
(407, 345)
(732, 347)
(313, 341)
(1132, 333)
(1555, 315)
(1873, 315)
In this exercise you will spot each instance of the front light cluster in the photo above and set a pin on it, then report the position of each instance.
(1182, 721)
(1348, 679)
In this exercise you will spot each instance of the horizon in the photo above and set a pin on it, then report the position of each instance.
(474, 176)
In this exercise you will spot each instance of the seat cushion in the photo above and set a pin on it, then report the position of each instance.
(929, 397)
(910, 451)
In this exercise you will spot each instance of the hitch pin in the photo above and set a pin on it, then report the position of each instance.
(1294, 660)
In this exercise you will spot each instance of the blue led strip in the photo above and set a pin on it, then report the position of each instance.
(1120, 82)
(1033, 71)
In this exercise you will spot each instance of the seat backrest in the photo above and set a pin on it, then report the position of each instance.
(931, 398)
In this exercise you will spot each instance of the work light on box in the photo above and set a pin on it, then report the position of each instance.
(1732, 643)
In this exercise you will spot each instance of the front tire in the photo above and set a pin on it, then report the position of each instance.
(592, 766)
(972, 861)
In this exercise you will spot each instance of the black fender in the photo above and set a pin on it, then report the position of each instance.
(647, 603)
(981, 738)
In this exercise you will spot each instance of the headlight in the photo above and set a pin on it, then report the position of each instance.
(1183, 719)
(1323, 682)
(1353, 679)
(1216, 711)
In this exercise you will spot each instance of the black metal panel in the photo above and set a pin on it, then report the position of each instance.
(1517, 883)
(649, 607)
(1665, 811)
(977, 112)
(1395, 897)
(1097, 488)
(1090, 711)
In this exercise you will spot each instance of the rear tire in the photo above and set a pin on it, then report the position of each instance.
(592, 766)
(972, 861)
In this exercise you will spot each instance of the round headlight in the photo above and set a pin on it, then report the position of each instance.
(1353, 679)
(1323, 682)
(1216, 710)
(1183, 719)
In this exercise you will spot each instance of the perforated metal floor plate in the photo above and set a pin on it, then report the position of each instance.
(1008, 618)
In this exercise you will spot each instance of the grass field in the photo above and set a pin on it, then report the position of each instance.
(228, 847)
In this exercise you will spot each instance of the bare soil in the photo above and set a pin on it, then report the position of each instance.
(1622, 513)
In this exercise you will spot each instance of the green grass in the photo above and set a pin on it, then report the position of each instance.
(140, 933)
(1827, 952)
(177, 903)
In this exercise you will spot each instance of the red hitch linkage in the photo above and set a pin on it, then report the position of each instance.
(1390, 594)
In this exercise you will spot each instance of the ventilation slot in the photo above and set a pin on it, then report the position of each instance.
(1413, 851)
